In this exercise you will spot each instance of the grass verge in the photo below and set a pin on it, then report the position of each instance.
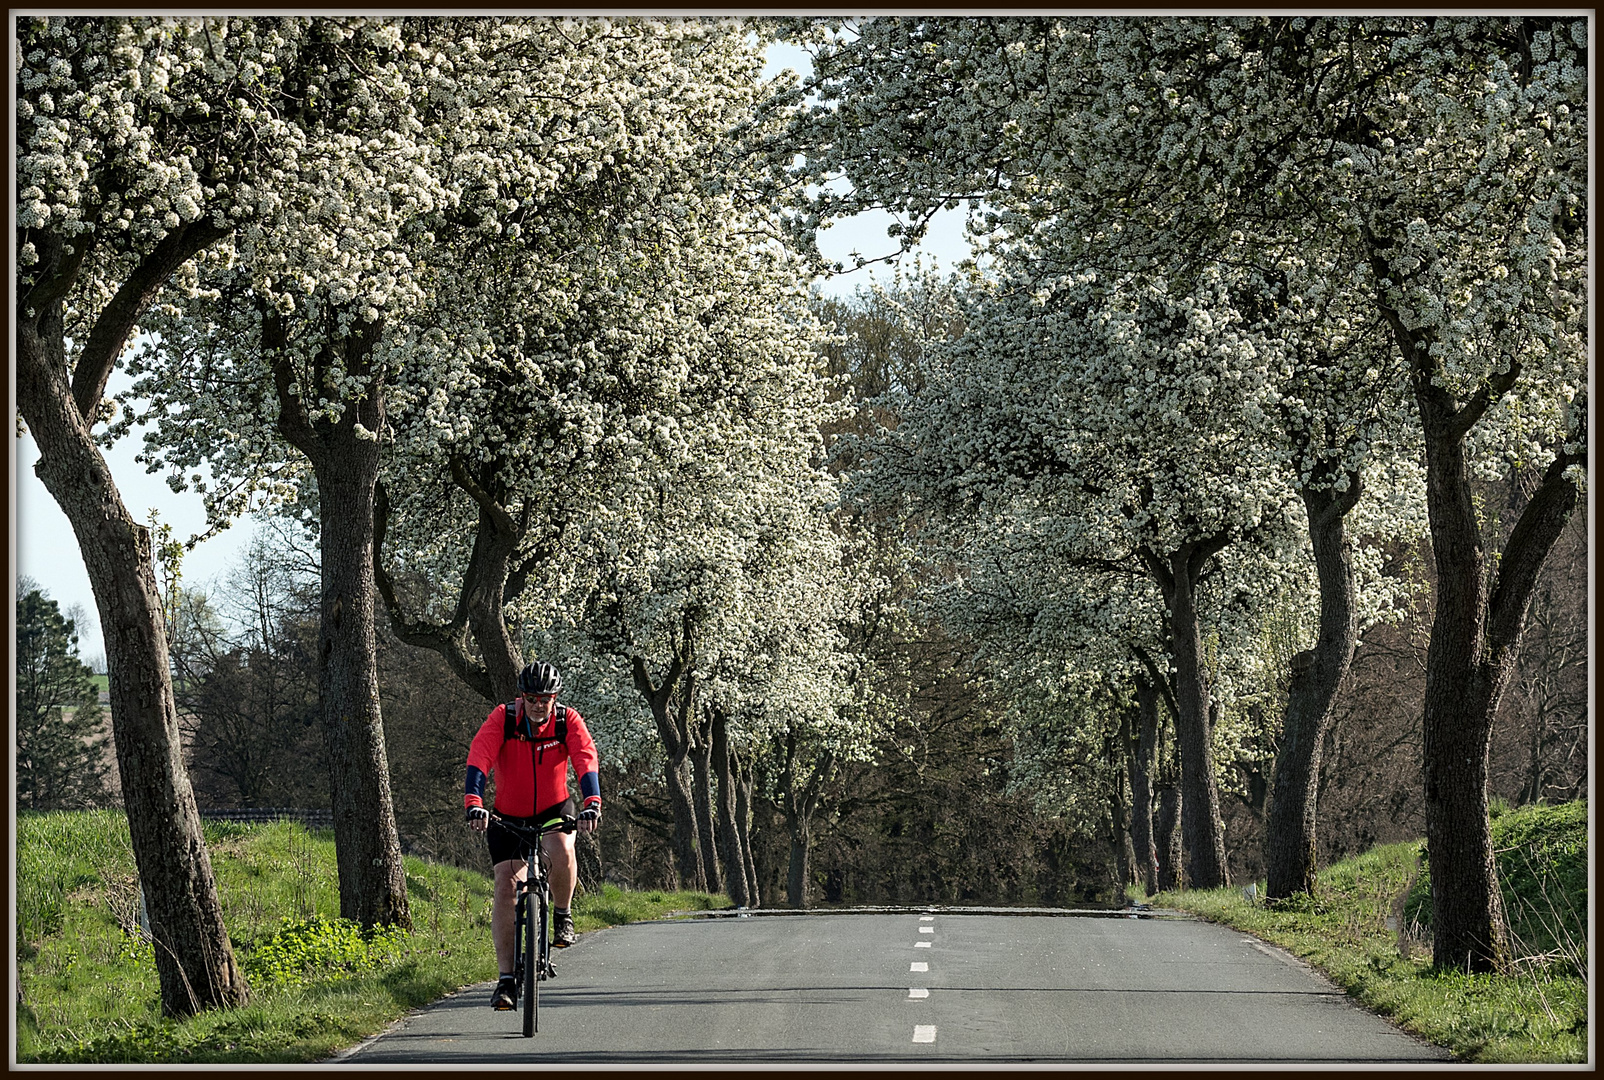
(87, 982)
(1367, 929)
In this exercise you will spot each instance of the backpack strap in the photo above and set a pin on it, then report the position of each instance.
(510, 725)
(509, 729)
(561, 731)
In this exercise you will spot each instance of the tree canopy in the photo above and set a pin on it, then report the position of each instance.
(516, 317)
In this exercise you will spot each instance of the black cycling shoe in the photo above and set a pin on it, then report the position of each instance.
(562, 930)
(506, 996)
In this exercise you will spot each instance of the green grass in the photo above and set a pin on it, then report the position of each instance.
(1367, 928)
(88, 983)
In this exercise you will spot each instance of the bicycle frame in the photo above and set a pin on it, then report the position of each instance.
(531, 940)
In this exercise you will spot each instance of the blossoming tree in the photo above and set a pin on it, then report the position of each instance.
(595, 393)
(271, 364)
(1126, 431)
(567, 351)
(1436, 164)
(713, 596)
(138, 141)
(493, 281)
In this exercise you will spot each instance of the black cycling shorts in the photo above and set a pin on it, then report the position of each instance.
(505, 844)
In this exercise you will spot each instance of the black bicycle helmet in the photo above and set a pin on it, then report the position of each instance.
(539, 678)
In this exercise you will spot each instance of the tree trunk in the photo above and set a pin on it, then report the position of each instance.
(706, 822)
(485, 582)
(1475, 638)
(729, 835)
(1289, 839)
(485, 585)
(768, 872)
(1140, 764)
(1126, 866)
(195, 963)
(1203, 832)
(742, 771)
(800, 801)
(1459, 841)
(489, 581)
(373, 888)
(1171, 865)
(673, 727)
(1469, 931)
(687, 856)
(796, 874)
(1119, 814)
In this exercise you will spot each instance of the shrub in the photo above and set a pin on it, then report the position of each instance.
(319, 946)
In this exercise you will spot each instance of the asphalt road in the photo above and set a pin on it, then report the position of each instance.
(937, 985)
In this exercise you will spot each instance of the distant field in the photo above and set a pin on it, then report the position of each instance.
(103, 686)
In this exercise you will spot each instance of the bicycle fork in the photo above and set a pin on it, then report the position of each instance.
(529, 904)
(518, 957)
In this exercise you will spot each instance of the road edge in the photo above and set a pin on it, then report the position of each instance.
(340, 1056)
(1291, 959)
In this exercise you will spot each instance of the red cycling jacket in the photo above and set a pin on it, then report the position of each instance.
(509, 759)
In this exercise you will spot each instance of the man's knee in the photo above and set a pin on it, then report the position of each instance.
(507, 875)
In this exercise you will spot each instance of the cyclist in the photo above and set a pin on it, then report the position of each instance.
(528, 744)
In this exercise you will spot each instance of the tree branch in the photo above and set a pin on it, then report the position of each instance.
(450, 640)
(116, 321)
(1205, 550)
(1160, 678)
(486, 502)
(293, 422)
(60, 275)
(1457, 419)
(518, 576)
(1538, 527)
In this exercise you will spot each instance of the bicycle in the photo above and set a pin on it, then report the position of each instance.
(531, 940)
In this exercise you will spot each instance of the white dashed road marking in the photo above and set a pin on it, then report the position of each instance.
(927, 918)
(922, 1033)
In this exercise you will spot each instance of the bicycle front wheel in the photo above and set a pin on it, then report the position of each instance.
(536, 912)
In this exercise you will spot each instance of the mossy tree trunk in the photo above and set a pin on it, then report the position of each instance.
(344, 453)
(1475, 638)
(195, 963)
(1290, 840)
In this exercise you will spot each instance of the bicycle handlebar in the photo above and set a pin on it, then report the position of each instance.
(561, 824)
